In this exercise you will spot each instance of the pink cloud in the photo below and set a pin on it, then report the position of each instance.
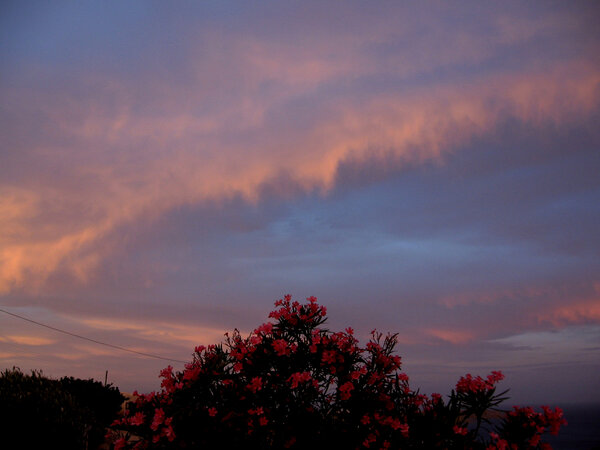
(452, 336)
(576, 311)
(26, 340)
(180, 158)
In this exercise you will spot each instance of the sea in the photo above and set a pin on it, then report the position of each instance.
(582, 431)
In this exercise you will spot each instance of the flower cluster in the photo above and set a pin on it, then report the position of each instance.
(478, 384)
(523, 428)
(294, 384)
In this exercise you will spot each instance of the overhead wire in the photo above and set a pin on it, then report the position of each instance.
(91, 340)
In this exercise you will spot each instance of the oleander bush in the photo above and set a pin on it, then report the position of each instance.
(294, 384)
(39, 412)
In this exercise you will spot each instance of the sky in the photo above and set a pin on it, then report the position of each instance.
(432, 169)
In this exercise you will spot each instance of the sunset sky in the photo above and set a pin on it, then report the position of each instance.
(169, 170)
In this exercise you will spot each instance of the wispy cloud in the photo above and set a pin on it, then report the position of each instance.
(176, 169)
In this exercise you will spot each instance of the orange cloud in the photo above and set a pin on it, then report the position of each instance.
(159, 331)
(182, 158)
(455, 337)
(577, 312)
(26, 340)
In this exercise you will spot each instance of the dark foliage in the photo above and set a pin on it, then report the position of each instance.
(38, 412)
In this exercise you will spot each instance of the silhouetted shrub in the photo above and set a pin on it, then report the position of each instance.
(104, 402)
(38, 412)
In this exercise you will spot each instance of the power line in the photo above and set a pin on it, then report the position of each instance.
(91, 340)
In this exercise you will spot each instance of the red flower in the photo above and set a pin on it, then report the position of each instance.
(192, 373)
(299, 377)
(291, 441)
(243, 373)
(495, 376)
(395, 423)
(265, 328)
(459, 430)
(500, 444)
(370, 439)
(553, 419)
(404, 429)
(159, 417)
(281, 347)
(469, 384)
(137, 419)
(329, 357)
(345, 390)
(168, 430)
(120, 443)
(255, 385)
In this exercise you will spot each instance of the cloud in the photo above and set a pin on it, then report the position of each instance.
(584, 310)
(26, 340)
(451, 336)
(174, 333)
(422, 126)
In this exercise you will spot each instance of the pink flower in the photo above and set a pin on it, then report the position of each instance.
(212, 412)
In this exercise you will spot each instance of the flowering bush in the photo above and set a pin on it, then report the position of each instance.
(294, 384)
